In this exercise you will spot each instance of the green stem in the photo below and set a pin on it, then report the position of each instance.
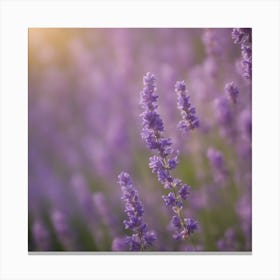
(178, 209)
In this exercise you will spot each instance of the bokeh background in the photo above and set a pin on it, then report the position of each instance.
(84, 129)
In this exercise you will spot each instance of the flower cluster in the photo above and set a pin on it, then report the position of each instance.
(141, 237)
(232, 91)
(165, 160)
(243, 36)
(189, 120)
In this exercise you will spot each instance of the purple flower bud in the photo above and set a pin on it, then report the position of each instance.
(189, 120)
(191, 225)
(125, 180)
(164, 147)
(247, 68)
(156, 164)
(150, 139)
(173, 162)
(184, 191)
(238, 35)
(150, 237)
(170, 199)
(176, 222)
(163, 176)
(152, 120)
(149, 80)
(246, 52)
(147, 96)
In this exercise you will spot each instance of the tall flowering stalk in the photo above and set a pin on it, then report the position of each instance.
(243, 36)
(141, 237)
(189, 120)
(165, 160)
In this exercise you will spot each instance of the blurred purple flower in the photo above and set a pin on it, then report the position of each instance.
(228, 242)
(232, 91)
(141, 237)
(41, 236)
(225, 118)
(63, 231)
(105, 213)
(217, 162)
(120, 244)
(215, 41)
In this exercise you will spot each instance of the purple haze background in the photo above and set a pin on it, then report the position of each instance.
(84, 129)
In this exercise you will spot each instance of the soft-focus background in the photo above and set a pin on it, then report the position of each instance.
(84, 129)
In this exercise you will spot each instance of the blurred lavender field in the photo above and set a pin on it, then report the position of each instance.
(85, 129)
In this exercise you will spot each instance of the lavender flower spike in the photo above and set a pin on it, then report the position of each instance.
(243, 36)
(165, 160)
(141, 237)
(189, 120)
